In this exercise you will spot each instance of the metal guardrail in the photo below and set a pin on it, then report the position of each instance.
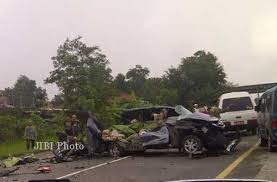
(258, 88)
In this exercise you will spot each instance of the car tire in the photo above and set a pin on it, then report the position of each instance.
(116, 150)
(191, 144)
(270, 147)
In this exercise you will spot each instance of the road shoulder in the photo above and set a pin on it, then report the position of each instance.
(269, 170)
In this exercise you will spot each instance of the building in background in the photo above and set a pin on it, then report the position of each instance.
(4, 101)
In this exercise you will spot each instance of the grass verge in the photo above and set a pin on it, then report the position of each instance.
(17, 148)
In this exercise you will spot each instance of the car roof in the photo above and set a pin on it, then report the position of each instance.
(235, 95)
(151, 107)
(145, 112)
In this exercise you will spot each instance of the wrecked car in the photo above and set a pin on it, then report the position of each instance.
(188, 132)
(198, 131)
(141, 129)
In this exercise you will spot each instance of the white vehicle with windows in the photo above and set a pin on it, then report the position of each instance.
(238, 111)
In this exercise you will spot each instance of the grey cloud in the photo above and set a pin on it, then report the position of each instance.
(153, 33)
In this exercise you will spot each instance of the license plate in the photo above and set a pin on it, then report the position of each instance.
(238, 122)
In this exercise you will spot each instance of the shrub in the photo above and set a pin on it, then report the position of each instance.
(45, 130)
(58, 121)
(8, 126)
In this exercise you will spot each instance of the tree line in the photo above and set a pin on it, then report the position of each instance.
(25, 94)
(85, 81)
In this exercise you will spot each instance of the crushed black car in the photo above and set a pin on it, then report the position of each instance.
(188, 132)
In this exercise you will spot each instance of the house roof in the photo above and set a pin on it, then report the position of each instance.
(3, 100)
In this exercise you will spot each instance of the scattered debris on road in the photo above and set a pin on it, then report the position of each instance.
(44, 169)
(13, 161)
(7, 172)
(79, 167)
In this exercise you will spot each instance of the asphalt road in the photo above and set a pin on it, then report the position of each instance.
(152, 166)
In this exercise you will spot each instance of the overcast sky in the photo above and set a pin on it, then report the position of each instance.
(153, 33)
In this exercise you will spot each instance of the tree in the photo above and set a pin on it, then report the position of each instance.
(121, 83)
(136, 78)
(40, 97)
(202, 69)
(82, 74)
(133, 102)
(168, 97)
(152, 89)
(80, 71)
(58, 101)
(177, 81)
(26, 94)
(199, 78)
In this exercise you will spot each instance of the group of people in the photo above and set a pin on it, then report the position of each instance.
(72, 127)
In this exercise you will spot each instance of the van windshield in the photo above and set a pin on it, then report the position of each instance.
(237, 104)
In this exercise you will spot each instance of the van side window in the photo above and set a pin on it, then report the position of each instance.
(275, 102)
(269, 102)
(262, 104)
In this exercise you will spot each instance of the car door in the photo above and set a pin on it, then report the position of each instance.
(268, 111)
(261, 116)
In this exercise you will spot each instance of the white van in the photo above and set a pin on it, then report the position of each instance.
(238, 111)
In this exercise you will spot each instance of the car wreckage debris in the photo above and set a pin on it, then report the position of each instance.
(12, 161)
(44, 169)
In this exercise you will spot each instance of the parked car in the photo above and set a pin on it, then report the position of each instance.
(238, 111)
(267, 118)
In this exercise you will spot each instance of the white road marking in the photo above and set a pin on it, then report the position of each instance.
(93, 167)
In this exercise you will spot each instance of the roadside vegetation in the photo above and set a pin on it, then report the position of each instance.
(84, 78)
(12, 125)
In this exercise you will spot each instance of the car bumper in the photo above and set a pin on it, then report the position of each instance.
(236, 128)
(251, 124)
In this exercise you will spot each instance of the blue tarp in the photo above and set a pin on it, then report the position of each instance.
(157, 137)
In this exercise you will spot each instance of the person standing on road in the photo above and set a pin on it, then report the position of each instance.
(93, 134)
(30, 135)
(75, 125)
(68, 126)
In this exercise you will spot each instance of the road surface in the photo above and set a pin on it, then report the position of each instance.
(152, 166)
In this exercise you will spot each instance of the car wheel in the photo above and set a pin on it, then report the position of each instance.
(116, 150)
(270, 147)
(192, 144)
